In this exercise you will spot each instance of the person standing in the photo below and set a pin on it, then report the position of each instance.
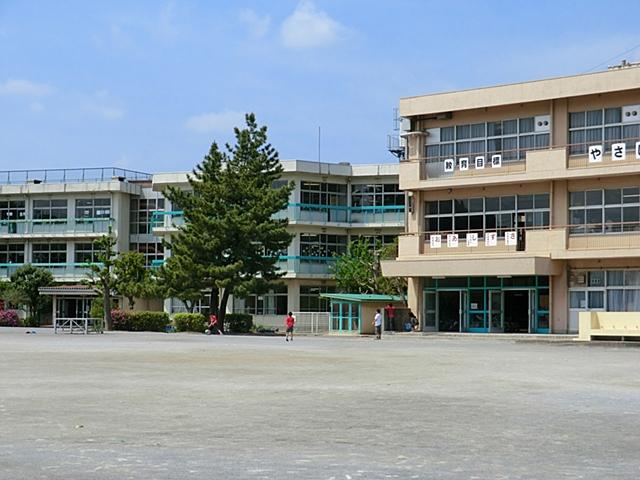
(390, 313)
(290, 321)
(377, 323)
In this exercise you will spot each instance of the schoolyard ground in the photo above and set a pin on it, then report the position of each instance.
(187, 406)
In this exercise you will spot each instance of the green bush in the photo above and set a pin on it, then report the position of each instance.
(189, 322)
(31, 322)
(238, 322)
(135, 321)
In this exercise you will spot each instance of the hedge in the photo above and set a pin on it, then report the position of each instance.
(238, 322)
(9, 318)
(139, 321)
(189, 322)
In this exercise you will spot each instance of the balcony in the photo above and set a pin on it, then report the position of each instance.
(389, 215)
(60, 271)
(554, 163)
(306, 266)
(68, 227)
(165, 222)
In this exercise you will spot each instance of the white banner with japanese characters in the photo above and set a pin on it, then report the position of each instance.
(510, 239)
(435, 241)
(496, 161)
(490, 239)
(464, 163)
(595, 153)
(618, 151)
(449, 165)
(479, 163)
(472, 239)
(452, 240)
(637, 150)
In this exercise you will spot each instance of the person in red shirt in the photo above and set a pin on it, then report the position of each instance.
(290, 321)
(213, 324)
(390, 313)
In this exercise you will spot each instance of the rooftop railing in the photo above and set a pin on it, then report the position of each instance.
(71, 175)
(75, 271)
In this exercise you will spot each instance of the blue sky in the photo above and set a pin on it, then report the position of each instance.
(149, 85)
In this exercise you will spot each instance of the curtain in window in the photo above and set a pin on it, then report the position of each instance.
(632, 300)
(615, 300)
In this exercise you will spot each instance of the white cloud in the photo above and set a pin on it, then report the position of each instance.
(25, 87)
(222, 122)
(101, 105)
(258, 26)
(308, 27)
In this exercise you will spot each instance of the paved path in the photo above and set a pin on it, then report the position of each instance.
(184, 406)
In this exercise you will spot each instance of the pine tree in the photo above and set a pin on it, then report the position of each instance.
(229, 229)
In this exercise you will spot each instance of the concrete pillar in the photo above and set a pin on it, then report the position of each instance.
(293, 295)
(559, 203)
(559, 314)
(559, 122)
(414, 297)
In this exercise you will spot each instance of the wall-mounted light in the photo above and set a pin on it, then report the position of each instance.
(410, 201)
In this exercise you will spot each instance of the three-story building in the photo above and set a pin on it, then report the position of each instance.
(524, 203)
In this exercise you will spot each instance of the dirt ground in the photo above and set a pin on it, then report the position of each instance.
(188, 406)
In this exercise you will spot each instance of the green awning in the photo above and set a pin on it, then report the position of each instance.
(361, 297)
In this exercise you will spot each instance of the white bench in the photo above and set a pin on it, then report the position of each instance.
(608, 324)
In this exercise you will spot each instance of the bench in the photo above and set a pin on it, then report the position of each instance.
(608, 324)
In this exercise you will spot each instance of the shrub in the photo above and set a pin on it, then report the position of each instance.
(189, 322)
(238, 322)
(136, 321)
(31, 322)
(9, 318)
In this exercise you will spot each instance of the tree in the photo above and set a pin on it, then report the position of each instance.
(132, 279)
(25, 284)
(358, 270)
(101, 274)
(183, 279)
(229, 231)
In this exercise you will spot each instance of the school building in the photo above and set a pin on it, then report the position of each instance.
(523, 203)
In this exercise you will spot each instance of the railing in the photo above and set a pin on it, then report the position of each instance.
(73, 325)
(167, 219)
(578, 153)
(302, 212)
(57, 226)
(59, 270)
(612, 235)
(71, 175)
(452, 166)
(306, 264)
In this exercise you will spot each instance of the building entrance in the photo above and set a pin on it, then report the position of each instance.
(516, 311)
(451, 310)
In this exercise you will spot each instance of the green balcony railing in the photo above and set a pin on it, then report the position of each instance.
(56, 226)
(167, 219)
(306, 264)
(304, 212)
(59, 270)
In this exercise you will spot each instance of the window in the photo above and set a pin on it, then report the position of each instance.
(611, 210)
(141, 213)
(611, 290)
(151, 251)
(85, 253)
(310, 299)
(91, 208)
(49, 209)
(322, 245)
(12, 253)
(317, 193)
(489, 214)
(511, 138)
(273, 302)
(12, 210)
(377, 195)
(49, 253)
(602, 126)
